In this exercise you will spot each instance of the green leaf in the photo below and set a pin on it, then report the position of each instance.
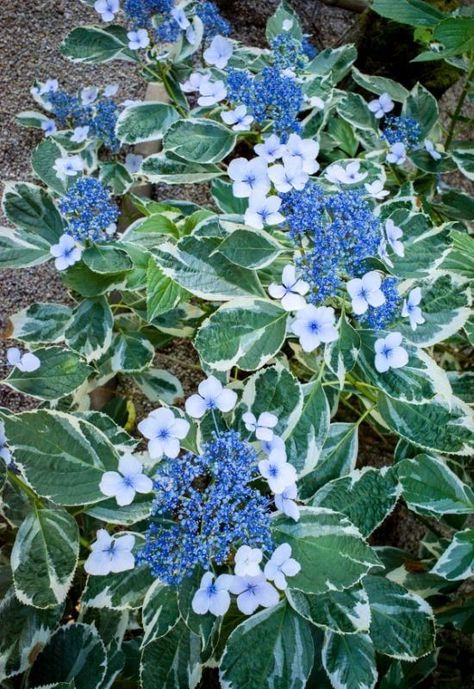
(250, 248)
(344, 612)
(116, 176)
(349, 660)
(412, 12)
(172, 661)
(23, 633)
(106, 258)
(162, 292)
(284, 15)
(402, 624)
(31, 118)
(334, 63)
(305, 441)
(423, 107)
(354, 109)
(437, 426)
(159, 385)
(61, 372)
(366, 497)
(89, 284)
(331, 551)
(40, 323)
(61, 456)
(122, 591)
(341, 355)
(462, 385)
(90, 331)
(431, 488)
(457, 561)
(461, 258)
(464, 159)
(425, 247)
(22, 249)
(195, 264)
(272, 649)
(42, 160)
(148, 121)
(31, 208)
(165, 168)
(74, 652)
(224, 198)
(93, 45)
(456, 34)
(245, 333)
(122, 441)
(160, 611)
(338, 457)
(131, 353)
(199, 140)
(107, 511)
(379, 85)
(44, 557)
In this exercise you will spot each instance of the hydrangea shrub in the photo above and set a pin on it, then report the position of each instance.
(326, 286)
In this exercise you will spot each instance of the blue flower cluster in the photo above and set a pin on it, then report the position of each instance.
(168, 31)
(88, 210)
(405, 130)
(308, 48)
(336, 232)
(140, 12)
(101, 116)
(204, 509)
(381, 317)
(288, 52)
(268, 96)
(214, 22)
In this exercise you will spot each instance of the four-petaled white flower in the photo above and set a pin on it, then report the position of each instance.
(80, 134)
(366, 291)
(247, 561)
(219, 52)
(381, 106)
(262, 427)
(133, 162)
(389, 353)
(49, 127)
(66, 252)
(288, 176)
(411, 310)
(111, 90)
(128, 480)
(375, 189)
(314, 325)
(68, 166)
(180, 17)
(194, 82)
(5, 453)
(211, 92)
(49, 86)
(276, 443)
(107, 9)
(277, 471)
(138, 39)
(263, 210)
(304, 150)
(253, 592)
(338, 174)
(248, 177)
(212, 595)
(397, 154)
(291, 291)
(271, 149)
(238, 118)
(89, 94)
(394, 235)
(26, 362)
(110, 554)
(281, 565)
(164, 431)
(285, 502)
(431, 149)
(211, 395)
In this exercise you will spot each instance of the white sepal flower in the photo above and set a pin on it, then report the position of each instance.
(179, 15)
(277, 471)
(111, 90)
(126, 482)
(263, 210)
(212, 595)
(247, 561)
(394, 235)
(49, 127)
(211, 92)
(411, 310)
(275, 444)
(338, 174)
(133, 162)
(381, 105)
(164, 431)
(5, 453)
(389, 353)
(68, 166)
(219, 52)
(248, 177)
(263, 427)
(397, 153)
(314, 325)
(238, 118)
(291, 291)
(25, 362)
(272, 149)
(110, 554)
(281, 565)
(304, 150)
(194, 82)
(365, 292)
(211, 395)
(80, 134)
(138, 39)
(66, 252)
(375, 189)
(253, 592)
(285, 502)
(89, 95)
(107, 9)
(431, 149)
(288, 176)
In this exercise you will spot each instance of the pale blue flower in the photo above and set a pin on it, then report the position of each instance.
(164, 431)
(247, 561)
(80, 134)
(219, 52)
(107, 9)
(314, 325)
(411, 309)
(281, 565)
(212, 595)
(66, 252)
(381, 106)
(110, 554)
(397, 154)
(49, 127)
(138, 39)
(389, 353)
(133, 162)
(211, 395)
(126, 482)
(253, 592)
(263, 426)
(25, 362)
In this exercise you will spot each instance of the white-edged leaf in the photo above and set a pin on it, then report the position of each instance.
(349, 661)
(160, 611)
(344, 612)
(457, 561)
(147, 121)
(40, 323)
(122, 591)
(252, 249)
(22, 249)
(90, 332)
(172, 661)
(31, 208)
(165, 168)
(159, 385)
(94, 44)
(380, 85)
(199, 140)
(131, 353)
(305, 441)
